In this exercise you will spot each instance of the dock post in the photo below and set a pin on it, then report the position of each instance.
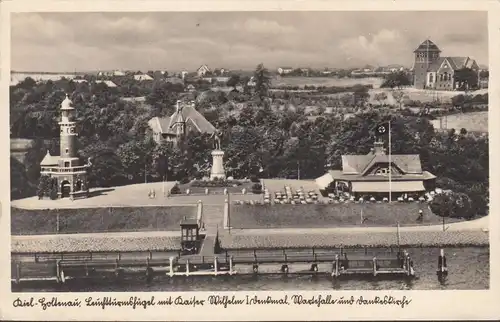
(58, 271)
(374, 266)
(215, 266)
(63, 279)
(231, 265)
(335, 268)
(442, 266)
(18, 272)
(171, 262)
(187, 267)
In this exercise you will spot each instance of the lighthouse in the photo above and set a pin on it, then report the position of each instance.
(67, 171)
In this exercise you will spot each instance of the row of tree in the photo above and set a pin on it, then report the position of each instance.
(258, 139)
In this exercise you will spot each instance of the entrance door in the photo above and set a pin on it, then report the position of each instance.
(65, 189)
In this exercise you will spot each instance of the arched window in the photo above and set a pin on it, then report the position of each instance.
(431, 78)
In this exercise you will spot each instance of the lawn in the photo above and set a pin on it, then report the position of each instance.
(472, 122)
(331, 215)
(94, 220)
(325, 81)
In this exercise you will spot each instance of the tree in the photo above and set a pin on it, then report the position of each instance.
(361, 96)
(262, 81)
(453, 204)
(466, 79)
(396, 80)
(44, 186)
(234, 81)
(380, 97)
(398, 97)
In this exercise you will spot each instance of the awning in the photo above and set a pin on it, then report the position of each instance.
(324, 181)
(383, 186)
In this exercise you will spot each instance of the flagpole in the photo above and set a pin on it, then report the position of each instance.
(390, 165)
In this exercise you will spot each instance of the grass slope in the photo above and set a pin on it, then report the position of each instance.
(336, 215)
(94, 220)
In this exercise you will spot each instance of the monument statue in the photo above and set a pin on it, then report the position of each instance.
(217, 170)
(217, 137)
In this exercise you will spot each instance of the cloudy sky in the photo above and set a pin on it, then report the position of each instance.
(238, 40)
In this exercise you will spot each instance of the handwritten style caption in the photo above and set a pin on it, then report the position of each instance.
(135, 302)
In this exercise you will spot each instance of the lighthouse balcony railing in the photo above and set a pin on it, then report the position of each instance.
(63, 169)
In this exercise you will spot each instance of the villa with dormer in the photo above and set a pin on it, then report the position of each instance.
(368, 175)
(185, 119)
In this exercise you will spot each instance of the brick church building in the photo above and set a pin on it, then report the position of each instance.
(433, 71)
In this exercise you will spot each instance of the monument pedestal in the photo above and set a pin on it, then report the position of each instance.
(217, 165)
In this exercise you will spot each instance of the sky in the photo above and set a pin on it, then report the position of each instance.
(76, 41)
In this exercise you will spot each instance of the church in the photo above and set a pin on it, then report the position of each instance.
(185, 119)
(368, 175)
(67, 168)
(433, 71)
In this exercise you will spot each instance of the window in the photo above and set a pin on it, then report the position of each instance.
(431, 78)
(66, 164)
(67, 150)
(382, 171)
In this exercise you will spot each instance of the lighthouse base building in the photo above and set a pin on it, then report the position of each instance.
(67, 170)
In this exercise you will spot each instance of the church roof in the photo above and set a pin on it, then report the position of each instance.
(187, 114)
(427, 45)
(455, 63)
(49, 159)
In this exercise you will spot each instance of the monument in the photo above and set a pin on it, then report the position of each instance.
(217, 170)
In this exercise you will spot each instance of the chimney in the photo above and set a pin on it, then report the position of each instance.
(378, 148)
(178, 107)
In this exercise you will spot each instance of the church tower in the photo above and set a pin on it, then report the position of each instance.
(67, 170)
(425, 55)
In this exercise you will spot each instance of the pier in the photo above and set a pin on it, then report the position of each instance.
(334, 262)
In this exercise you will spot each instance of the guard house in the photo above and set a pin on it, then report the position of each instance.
(190, 236)
(368, 176)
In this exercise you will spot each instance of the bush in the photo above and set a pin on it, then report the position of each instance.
(53, 192)
(175, 190)
(254, 178)
(257, 188)
(184, 180)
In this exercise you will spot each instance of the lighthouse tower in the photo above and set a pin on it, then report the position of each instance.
(67, 170)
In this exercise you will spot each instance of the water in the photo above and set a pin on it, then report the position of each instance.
(469, 269)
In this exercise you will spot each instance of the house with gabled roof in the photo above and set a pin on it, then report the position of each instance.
(368, 175)
(203, 70)
(143, 77)
(433, 71)
(184, 120)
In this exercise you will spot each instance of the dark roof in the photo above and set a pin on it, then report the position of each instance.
(189, 222)
(187, 114)
(359, 164)
(455, 63)
(427, 45)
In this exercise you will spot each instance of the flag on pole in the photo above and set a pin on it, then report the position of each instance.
(382, 129)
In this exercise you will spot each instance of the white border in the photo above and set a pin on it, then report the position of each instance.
(433, 305)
